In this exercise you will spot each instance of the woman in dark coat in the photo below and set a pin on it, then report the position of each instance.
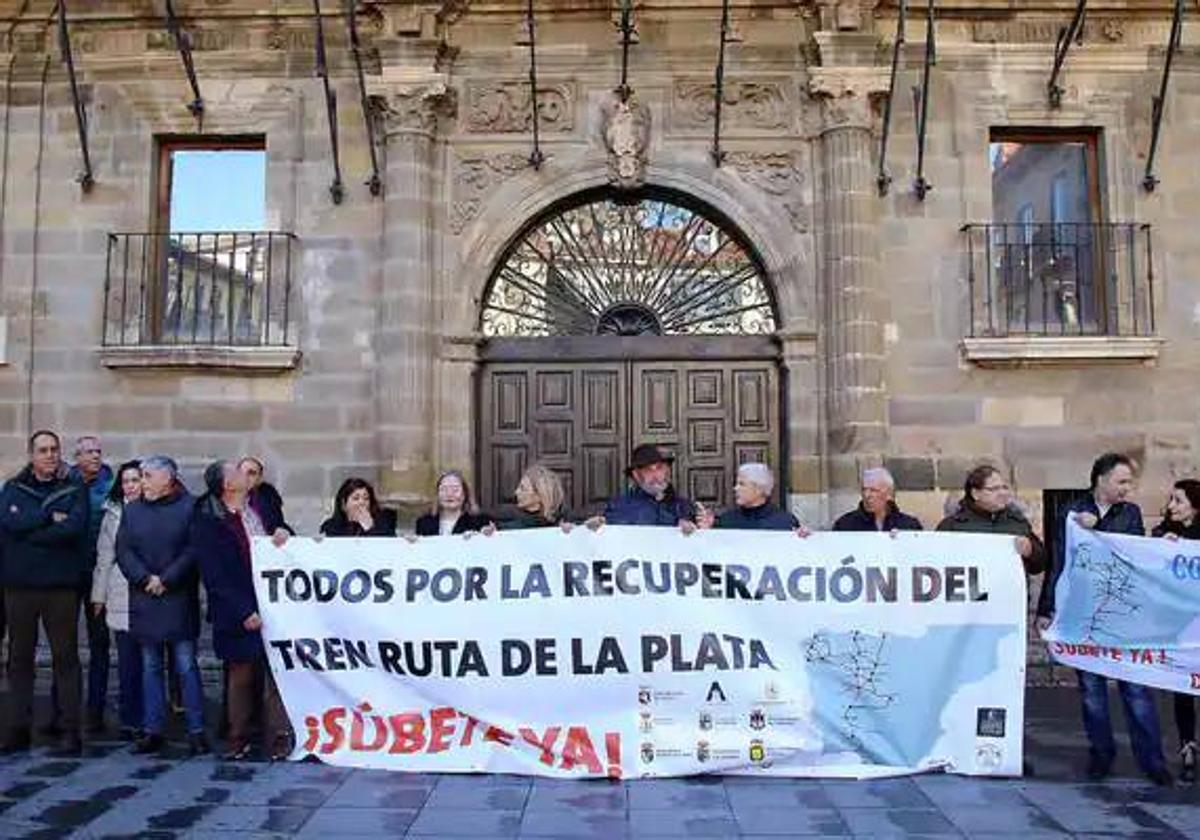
(356, 513)
(164, 608)
(454, 512)
(220, 539)
(1181, 520)
(540, 503)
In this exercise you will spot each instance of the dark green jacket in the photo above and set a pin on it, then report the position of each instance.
(40, 552)
(971, 520)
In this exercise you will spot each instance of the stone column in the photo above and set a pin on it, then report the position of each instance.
(405, 330)
(855, 308)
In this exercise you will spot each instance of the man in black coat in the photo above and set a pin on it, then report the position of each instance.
(878, 510)
(44, 518)
(752, 510)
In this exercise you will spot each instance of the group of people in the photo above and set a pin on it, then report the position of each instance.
(131, 547)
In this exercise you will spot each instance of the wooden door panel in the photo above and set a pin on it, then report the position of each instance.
(583, 420)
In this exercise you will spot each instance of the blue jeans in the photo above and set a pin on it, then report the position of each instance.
(1142, 715)
(154, 689)
(129, 680)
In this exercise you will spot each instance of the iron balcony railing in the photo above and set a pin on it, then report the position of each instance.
(212, 289)
(1060, 279)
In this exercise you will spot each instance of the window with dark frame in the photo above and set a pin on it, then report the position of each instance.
(215, 266)
(1048, 239)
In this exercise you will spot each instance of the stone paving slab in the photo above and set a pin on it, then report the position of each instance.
(112, 793)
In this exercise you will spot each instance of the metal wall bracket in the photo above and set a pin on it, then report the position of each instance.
(628, 34)
(183, 42)
(921, 185)
(1150, 181)
(374, 183)
(1071, 33)
(337, 190)
(536, 158)
(85, 178)
(883, 181)
(718, 156)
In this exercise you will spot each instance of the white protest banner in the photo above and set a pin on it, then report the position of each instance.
(641, 652)
(1129, 608)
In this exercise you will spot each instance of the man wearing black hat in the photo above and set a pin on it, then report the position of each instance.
(651, 500)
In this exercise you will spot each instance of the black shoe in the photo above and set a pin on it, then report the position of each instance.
(198, 745)
(149, 745)
(50, 730)
(1188, 754)
(95, 722)
(130, 733)
(70, 746)
(1098, 769)
(1161, 777)
(16, 742)
(238, 752)
(1027, 769)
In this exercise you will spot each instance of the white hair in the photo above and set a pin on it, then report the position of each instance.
(880, 473)
(759, 475)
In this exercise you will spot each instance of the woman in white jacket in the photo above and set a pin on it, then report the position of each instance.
(110, 597)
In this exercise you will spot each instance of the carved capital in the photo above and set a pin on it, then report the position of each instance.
(845, 94)
(414, 109)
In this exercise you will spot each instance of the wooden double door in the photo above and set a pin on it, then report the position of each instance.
(584, 418)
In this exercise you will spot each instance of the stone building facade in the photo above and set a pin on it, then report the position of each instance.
(880, 342)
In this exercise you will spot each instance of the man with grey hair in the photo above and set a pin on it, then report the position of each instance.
(97, 477)
(752, 510)
(878, 510)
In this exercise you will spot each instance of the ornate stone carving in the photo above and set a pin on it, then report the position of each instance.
(756, 105)
(1112, 30)
(202, 40)
(778, 174)
(504, 107)
(415, 108)
(474, 178)
(626, 131)
(845, 93)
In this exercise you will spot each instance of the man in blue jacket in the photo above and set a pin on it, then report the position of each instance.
(44, 520)
(1105, 509)
(651, 498)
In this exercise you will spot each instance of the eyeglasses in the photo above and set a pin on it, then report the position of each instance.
(994, 488)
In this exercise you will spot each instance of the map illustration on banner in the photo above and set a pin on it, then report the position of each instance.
(639, 652)
(1129, 608)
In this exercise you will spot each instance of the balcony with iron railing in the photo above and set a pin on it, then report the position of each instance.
(1052, 292)
(200, 299)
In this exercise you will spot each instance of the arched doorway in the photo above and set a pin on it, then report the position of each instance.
(616, 318)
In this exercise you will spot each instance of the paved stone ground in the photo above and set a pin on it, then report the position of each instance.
(110, 793)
